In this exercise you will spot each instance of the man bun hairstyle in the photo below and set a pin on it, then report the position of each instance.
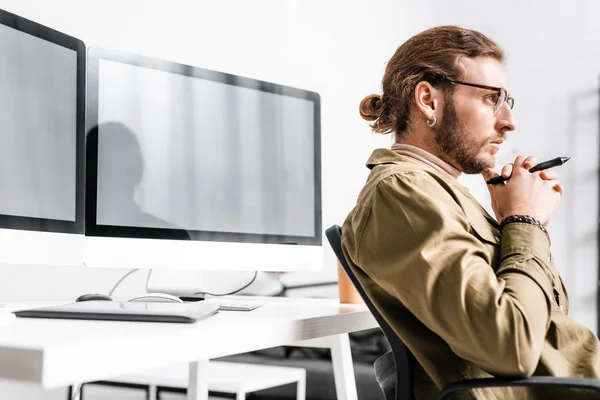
(433, 56)
(372, 108)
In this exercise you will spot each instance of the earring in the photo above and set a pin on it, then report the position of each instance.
(431, 122)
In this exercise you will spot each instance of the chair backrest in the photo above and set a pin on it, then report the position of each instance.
(402, 357)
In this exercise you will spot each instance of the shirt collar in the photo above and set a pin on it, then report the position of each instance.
(425, 157)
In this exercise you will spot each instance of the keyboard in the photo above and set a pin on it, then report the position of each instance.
(231, 305)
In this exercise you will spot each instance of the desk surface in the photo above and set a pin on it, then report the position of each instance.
(56, 353)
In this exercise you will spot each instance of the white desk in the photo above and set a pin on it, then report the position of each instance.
(56, 353)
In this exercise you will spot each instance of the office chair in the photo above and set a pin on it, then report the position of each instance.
(394, 370)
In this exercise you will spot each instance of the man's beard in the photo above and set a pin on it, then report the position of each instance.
(455, 141)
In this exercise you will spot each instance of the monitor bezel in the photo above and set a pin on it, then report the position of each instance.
(92, 228)
(8, 221)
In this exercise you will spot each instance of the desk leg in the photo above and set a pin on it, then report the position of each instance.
(301, 388)
(341, 357)
(198, 381)
(152, 392)
(343, 369)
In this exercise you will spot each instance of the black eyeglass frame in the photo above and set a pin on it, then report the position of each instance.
(503, 95)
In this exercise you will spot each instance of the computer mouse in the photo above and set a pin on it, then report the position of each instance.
(156, 297)
(93, 296)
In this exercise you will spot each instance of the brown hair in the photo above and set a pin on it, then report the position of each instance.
(431, 56)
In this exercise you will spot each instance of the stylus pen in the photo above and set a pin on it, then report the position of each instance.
(555, 162)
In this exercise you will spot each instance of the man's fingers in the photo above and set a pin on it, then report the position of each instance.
(519, 162)
(530, 162)
(507, 170)
(555, 185)
(488, 174)
(558, 187)
(548, 175)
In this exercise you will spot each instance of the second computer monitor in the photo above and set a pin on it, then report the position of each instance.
(193, 168)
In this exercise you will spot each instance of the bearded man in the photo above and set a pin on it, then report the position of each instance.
(470, 294)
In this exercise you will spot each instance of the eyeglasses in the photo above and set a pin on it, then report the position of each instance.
(502, 94)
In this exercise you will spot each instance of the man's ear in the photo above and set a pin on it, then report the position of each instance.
(427, 99)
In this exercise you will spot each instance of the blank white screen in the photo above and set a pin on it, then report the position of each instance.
(201, 155)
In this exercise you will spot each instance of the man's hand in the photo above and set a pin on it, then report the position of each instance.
(536, 194)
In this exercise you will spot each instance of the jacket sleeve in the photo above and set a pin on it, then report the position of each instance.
(417, 245)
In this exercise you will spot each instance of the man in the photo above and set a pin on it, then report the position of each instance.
(471, 295)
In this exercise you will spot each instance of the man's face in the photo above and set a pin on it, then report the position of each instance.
(470, 132)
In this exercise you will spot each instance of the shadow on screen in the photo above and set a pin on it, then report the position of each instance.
(120, 169)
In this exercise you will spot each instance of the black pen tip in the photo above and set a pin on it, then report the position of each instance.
(565, 159)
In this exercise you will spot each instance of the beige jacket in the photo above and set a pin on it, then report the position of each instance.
(468, 300)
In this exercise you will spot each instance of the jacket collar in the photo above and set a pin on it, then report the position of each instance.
(386, 156)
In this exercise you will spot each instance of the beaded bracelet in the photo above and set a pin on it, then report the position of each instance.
(528, 219)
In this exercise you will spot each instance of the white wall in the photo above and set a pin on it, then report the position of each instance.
(339, 49)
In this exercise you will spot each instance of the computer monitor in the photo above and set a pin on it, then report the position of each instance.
(42, 144)
(189, 168)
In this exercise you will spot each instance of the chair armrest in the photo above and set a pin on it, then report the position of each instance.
(533, 381)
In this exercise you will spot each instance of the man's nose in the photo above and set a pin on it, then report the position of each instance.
(506, 121)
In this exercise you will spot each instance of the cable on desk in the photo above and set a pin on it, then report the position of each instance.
(148, 280)
(121, 280)
(235, 291)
